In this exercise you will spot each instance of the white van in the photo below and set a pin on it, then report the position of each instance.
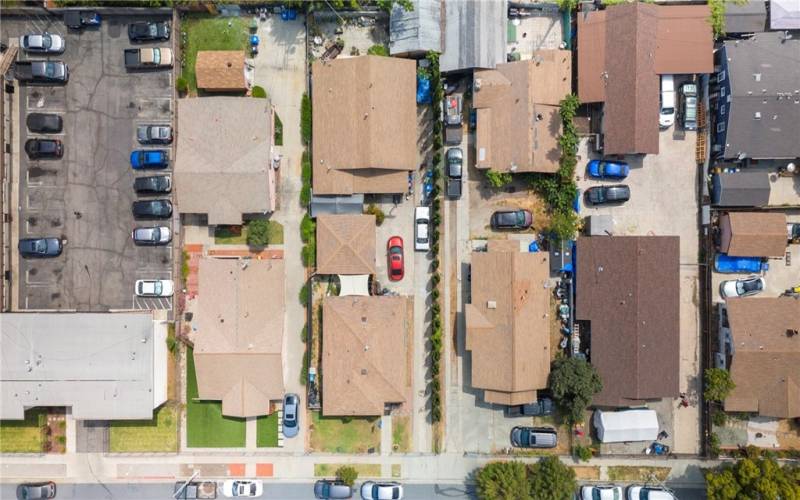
(422, 222)
(666, 116)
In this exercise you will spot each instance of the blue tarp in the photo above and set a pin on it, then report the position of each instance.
(423, 90)
(533, 247)
(724, 263)
(289, 14)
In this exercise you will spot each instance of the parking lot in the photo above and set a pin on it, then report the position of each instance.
(85, 197)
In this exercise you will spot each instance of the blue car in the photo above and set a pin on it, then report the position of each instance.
(149, 158)
(603, 169)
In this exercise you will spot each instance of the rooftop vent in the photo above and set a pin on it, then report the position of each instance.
(491, 304)
(757, 76)
(757, 115)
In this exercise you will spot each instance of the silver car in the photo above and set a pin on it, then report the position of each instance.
(42, 43)
(151, 236)
(743, 287)
(291, 415)
(154, 134)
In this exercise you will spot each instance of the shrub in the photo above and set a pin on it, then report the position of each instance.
(309, 254)
(308, 229)
(347, 475)
(305, 195)
(172, 343)
(304, 333)
(378, 50)
(184, 266)
(498, 179)
(181, 85)
(305, 166)
(573, 382)
(583, 453)
(719, 418)
(305, 295)
(564, 225)
(373, 209)
(258, 233)
(305, 119)
(550, 479)
(718, 384)
(502, 481)
(258, 92)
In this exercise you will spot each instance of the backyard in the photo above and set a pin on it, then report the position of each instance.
(23, 436)
(206, 427)
(205, 32)
(157, 435)
(345, 435)
(237, 235)
(267, 431)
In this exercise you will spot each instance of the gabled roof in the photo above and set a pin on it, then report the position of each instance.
(475, 34)
(239, 343)
(365, 341)
(628, 288)
(754, 234)
(221, 70)
(518, 120)
(365, 125)
(740, 189)
(417, 30)
(508, 330)
(224, 157)
(766, 356)
(749, 17)
(346, 244)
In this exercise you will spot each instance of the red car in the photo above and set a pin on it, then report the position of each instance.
(395, 250)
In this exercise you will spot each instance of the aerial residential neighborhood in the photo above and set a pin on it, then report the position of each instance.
(400, 249)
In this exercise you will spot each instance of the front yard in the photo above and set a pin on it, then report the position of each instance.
(267, 431)
(237, 235)
(204, 32)
(23, 436)
(345, 435)
(157, 435)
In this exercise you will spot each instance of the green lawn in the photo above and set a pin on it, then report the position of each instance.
(267, 431)
(350, 435)
(206, 32)
(23, 436)
(364, 470)
(228, 235)
(157, 435)
(400, 434)
(205, 425)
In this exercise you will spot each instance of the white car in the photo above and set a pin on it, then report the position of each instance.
(666, 116)
(242, 488)
(154, 288)
(648, 493)
(422, 224)
(42, 43)
(743, 287)
(371, 490)
(601, 492)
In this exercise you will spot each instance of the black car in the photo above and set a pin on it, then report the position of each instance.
(542, 407)
(604, 195)
(40, 247)
(35, 491)
(44, 148)
(152, 209)
(44, 123)
(511, 219)
(534, 437)
(148, 31)
(154, 184)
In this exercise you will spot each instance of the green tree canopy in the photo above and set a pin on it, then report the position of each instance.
(718, 384)
(347, 475)
(754, 478)
(502, 481)
(258, 233)
(550, 479)
(573, 382)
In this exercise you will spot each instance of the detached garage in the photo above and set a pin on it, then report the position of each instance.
(626, 425)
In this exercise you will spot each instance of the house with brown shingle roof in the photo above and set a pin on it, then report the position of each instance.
(364, 125)
(765, 363)
(518, 121)
(622, 50)
(365, 344)
(224, 160)
(753, 234)
(628, 296)
(220, 71)
(346, 244)
(238, 345)
(508, 330)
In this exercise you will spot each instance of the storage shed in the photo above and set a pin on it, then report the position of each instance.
(626, 425)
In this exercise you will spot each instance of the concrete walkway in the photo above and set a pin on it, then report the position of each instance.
(386, 434)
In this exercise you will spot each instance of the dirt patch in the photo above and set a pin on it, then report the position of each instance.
(586, 473)
(55, 431)
(789, 434)
(623, 473)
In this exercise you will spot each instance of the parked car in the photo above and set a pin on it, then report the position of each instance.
(41, 72)
(649, 493)
(605, 169)
(154, 184)
(666, 115)
(452, 110)
(42, 43)
(154, 288)
(542, 407)
(601, 492)
(44, 148)
(154, 134)
(372, 490)
(606, 195)
(195, 490)
(455, 159)
(793, 232)
(724, 263)
(422, 221)
(152, 209)
(148, 31)
(247, 488)
(44, 123)
(329, 488)
(40, 247)
(148, 58)
(291, 415)
(688, 106)
(511, 219)
(534, 437)
(35, 491)
(151, 236)
(149, 158)
(396, 261)
(79, 19)
(743, 287)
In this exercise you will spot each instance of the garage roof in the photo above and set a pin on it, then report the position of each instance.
(220, 70)
(346, 244)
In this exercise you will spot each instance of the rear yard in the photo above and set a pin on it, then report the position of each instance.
(209, 33)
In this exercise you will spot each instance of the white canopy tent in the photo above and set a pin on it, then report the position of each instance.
(357, 284)
(626, 425)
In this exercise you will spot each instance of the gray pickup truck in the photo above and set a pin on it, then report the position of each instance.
(148, 58)
(41, 72)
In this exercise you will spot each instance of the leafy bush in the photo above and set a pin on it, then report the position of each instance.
(258, 233)
(184, 266)
(573, 382)
(719, 418)
(258, 92)
(305, 295)
(718, 384)
(583, 453)
(569, 5)
(498, 179)
(305, 168)
(347, 475)
(378, 50)
(182, 85)
(305, 119)
(550, 479)
(564, 225)
(309, 254)
(305, 195)
(308, 229)
(502, 481)
(373, 209)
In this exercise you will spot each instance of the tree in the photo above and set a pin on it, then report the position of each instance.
(258, 233)
(718, 384)
(181, 85)
(502, 481)
(378, 50)
(573, 382)
(373, 209)
(564, 224)
(753, 477)
(347, 475)
(258, 92)
(550, 479)
(498, 179)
